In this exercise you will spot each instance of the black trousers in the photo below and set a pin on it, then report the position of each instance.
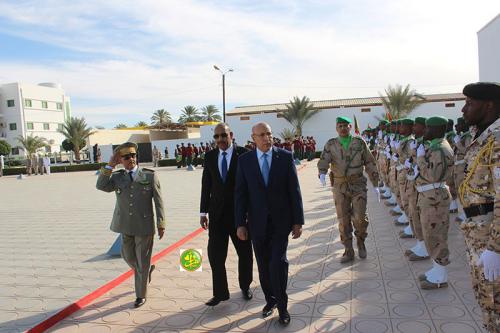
(270, 253)
(219, 233)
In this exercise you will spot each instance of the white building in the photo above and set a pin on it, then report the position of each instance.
(322, 125)
(489, 51)
(29, 109)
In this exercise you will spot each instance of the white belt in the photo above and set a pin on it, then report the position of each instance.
(400, 167)
(429, 187)
(411, 177)
(459, 162)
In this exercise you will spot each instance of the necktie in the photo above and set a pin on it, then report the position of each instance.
(131, 176)
(265, 168)
(223, 166)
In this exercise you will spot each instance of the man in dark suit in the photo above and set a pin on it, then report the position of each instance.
(268, 206)
(217, 199)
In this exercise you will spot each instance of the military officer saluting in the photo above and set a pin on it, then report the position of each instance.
(136, 189)
(479, 194)
(347, 157)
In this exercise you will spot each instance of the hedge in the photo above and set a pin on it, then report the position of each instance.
(57, 168)
(169, 162)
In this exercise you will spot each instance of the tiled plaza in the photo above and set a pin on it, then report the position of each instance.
(55, 231)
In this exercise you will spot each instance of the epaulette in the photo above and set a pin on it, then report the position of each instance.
(332, 140)
(146, 169)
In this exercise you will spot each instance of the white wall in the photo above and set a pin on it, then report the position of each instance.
(322, 125)
(489, 51)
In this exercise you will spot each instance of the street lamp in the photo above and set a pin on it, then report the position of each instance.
(223, 90)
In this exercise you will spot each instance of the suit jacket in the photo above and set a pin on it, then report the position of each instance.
(281, 200)
(217, 197)
(133, 213)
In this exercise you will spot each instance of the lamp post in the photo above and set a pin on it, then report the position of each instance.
(223, 90)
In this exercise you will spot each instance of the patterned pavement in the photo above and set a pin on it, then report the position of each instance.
(378, 294)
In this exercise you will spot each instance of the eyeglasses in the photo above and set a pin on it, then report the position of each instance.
(222, 135)
(128, 156)
(262, 135)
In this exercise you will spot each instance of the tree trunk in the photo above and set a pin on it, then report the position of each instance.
(77, 154)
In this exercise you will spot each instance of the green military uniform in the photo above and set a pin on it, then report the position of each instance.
(133, 217)
(433, 203)
(479, 194)
(347, 158)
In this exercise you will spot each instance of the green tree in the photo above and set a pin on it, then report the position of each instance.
(76, 130)
(30, 144)
(4, 148)
(141, 124)
(210, 113)
(160, 118)
(120, 125)
(400, 102)
(298, 111)
(189, 114)
(287, 134)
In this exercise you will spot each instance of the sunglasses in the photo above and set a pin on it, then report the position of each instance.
(222, 135)
(128, 156)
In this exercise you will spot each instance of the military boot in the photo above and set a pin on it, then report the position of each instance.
(361, 248)
(347, 256)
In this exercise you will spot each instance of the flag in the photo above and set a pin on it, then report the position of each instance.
(356, 126)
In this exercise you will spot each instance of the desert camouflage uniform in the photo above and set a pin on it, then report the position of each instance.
(482, 186)
(451, 179)
(412, 194)
(349, 184)
(433, 204)
(404, 152)
(459, 168)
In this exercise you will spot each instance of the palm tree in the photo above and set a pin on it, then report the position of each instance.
(188, 114)
(210, 113)
(298, 112)
(141, 124)
(287, 134)
(400, 102)
(161, 117)
(30, 144)
(120, 125)
(76, 131)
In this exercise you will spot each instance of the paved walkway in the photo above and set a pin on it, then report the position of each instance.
(379, 294)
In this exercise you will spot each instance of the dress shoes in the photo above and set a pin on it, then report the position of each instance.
(139, 302)
(247, 294)
(268, 310)
(216, 300)
(284, 318)
(348, 256)
(151, 269)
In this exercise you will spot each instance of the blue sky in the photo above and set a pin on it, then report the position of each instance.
(121, 60)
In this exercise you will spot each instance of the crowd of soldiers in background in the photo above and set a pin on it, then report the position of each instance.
(38, 164)
(302, 148)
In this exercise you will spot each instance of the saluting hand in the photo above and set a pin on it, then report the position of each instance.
(204, 222)
(296, 231)
(114, 160)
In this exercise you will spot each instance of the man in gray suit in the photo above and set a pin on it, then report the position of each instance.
(136, 189)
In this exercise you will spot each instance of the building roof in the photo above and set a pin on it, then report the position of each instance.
(337, 103)
(490, 22)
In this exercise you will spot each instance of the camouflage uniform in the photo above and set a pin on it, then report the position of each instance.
(434, 199)
(451, 180)
(482, 186)
(412, 194)
(459, 168)
(404, 152)
(382, 160)
(349, 184)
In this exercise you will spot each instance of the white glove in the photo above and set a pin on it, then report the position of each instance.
(377, 193)
(407, 163)
(322, 179)
(376, 141)
(393, 144)
(388, 155)
(490, 260)
(456, 139)
(397, 145)
(392, 136)
(413, 144)
(415, 170)
(421, 150)
(394, 158)
(387, 149)
(380, 134)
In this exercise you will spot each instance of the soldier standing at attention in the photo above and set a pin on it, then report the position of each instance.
(136, 189)
(480, 197)
(434, 166)
(346, 157)
(462, 140)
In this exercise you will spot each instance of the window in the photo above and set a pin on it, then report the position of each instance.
(245, 118)
(13, 126)
(365, 110)
(10, 103)
(449, 105)
(60, 127)
(28, 103)
(59, 106)
(14, 151)
(45, 105)
(29, 126)
(46, 126)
